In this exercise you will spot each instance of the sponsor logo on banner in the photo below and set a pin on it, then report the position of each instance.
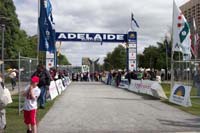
(181, 95)
(49, 63)
(49, 60)
(148, 87)
(132, 36)
(132, 65)
(132, 56)
(132, 45)
(91, 37)
(132, 50)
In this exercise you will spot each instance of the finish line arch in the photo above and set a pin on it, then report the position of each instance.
(130, 39)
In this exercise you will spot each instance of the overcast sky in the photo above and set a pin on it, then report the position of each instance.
(103, 16)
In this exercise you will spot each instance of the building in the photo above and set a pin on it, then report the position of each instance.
(191, 10)
(85, 61)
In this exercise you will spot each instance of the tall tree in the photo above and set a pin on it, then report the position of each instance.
(116, 59)
(62, 60)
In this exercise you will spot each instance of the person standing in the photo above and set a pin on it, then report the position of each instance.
(43, 84)
(31, 94)
(13, 78)
(2, 107)
(109, 80)
(128, 76)
(118, 78)
(197, 80)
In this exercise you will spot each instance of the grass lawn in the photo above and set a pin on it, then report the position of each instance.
(15, 122)
(195, 109)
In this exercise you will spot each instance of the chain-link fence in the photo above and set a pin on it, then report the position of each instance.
(17, 75)
(188, 73)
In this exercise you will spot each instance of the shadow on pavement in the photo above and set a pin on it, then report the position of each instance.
(187, 123)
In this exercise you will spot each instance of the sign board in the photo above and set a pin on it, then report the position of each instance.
(124, 84)
(132, 54)
(91, 37)
(132, 45)
(152, 88)
(60, 86)
(132, 65)
(85, 68)
(49, 60)
(181, 95)
(53, 90)
(132, 36)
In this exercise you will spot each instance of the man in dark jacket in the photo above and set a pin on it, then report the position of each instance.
(128, 76)
(44, 83)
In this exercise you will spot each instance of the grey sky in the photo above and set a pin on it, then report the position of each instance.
(112, 16)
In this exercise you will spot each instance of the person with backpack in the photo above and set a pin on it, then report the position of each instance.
(43, 84)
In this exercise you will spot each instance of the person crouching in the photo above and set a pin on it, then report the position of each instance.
(31, 94)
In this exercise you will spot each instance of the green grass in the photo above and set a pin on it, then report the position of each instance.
(194, 109)
(15, 122)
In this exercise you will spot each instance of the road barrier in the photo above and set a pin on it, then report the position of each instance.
(57, 87)
(152, 88)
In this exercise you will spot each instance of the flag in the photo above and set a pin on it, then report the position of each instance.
(134, 22)
(181, 33)
(46, 29)
(194, 46)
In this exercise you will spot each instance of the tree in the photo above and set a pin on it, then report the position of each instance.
(16, 40)
(116, 59)
(62, 60)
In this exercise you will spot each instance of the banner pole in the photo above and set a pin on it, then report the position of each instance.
(38, 33)
(172, 53)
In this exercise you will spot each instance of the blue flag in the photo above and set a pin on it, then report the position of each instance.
(46, 30)
(134, 21)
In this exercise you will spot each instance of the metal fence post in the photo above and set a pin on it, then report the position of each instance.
(19, 83)
(2, 49)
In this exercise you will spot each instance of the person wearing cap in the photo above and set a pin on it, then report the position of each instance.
(13, 78)
(31, 94)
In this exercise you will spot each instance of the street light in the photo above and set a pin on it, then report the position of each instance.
(3, 20)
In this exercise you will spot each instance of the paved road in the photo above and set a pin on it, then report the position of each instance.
(97, 108)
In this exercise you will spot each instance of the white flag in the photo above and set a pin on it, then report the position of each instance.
(181, 32)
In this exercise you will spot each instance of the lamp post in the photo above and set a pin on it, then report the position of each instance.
(3, 20)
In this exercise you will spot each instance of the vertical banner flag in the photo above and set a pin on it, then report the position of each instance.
(181, 33)
(46, 30)
(134, 22)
